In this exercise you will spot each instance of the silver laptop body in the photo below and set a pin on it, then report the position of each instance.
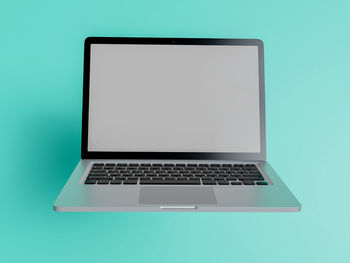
(174, 124)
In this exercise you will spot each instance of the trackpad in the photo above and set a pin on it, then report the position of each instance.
(164, 195)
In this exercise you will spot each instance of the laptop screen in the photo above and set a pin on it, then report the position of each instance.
(174, 98)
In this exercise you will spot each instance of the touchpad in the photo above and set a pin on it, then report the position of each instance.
(177, 195)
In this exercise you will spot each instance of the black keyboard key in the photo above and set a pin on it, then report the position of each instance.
(157, 178)
(208, 178)
(251, 178)
(93, 177)
(261, 183)
(98, 164)
(257, 178)
(98, 172)
(94, 171)
(248, 182)
(231, 178)
(99, 177)
(223, 182)
(191, 182)
(251, 170)
(255, 173)
(118, 181)
(145, 179)
(236, 183)
(131, 178)
(194, 178)
(150, 181)
(103, 181)
(181, 179)
(97, 168)
(130, 182)
(208, 182)
(90, 181)
(119, 177)
(219, 178)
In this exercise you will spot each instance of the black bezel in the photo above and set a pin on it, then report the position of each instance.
(85, 154)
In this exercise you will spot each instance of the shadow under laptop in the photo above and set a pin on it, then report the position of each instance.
(50, 149)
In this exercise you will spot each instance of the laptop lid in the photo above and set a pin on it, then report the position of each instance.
(173, 98)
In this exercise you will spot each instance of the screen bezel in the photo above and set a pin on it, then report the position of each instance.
(236, 156)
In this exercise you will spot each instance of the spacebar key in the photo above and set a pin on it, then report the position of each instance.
(192, 182)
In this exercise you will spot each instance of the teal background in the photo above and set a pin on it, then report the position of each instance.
(308, 132)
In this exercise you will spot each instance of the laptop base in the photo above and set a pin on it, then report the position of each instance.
(79, 197)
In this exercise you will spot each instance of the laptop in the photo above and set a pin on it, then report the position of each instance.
(174, 124)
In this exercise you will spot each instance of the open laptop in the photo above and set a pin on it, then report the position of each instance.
(174, 124)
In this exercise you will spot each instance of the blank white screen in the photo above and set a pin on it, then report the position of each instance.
(174, 98)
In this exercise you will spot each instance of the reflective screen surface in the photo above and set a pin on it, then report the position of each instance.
(174, 98)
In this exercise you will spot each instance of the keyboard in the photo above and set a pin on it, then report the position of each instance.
(174, 174)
